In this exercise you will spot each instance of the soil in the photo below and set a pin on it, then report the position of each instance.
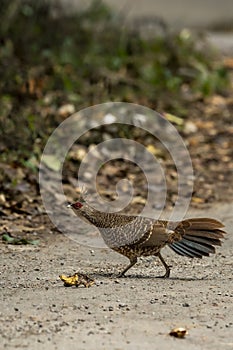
(134, 312)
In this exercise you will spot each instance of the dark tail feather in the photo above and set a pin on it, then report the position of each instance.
(199, 237)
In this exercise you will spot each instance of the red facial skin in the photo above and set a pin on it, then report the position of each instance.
(77, 205)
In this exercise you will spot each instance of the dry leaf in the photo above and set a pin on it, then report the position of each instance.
(178, 332)
(174, 119)
(198, 200)
(51, 161)
(76, 280)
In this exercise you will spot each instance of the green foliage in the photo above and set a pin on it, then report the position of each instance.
(49, 58)
(8, 239)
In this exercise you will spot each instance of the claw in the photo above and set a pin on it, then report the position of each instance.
(166, 275)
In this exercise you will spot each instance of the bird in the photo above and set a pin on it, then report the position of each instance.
(137, 236)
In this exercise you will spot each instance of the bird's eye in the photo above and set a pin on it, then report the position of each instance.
(77, 205)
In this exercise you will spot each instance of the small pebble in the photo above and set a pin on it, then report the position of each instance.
(185, 305)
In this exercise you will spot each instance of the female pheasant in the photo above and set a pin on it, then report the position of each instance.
(136, 236)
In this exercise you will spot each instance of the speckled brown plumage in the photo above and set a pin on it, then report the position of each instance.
(135, 236)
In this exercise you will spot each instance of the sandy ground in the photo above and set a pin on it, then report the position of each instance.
(135, 312)
(200, 15)
(177, 13)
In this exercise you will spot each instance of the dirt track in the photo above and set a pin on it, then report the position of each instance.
(135, 312)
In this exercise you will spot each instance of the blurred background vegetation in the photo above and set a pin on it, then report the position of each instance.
(54, 63)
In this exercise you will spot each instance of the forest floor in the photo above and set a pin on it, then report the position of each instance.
(134, 312)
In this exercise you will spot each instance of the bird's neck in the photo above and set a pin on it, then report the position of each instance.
(92, 215)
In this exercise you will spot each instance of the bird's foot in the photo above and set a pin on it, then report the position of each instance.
(166, 275)
(119, 275)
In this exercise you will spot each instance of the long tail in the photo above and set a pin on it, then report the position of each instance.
(199, 237)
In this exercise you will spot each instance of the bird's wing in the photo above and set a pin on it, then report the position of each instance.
(131, 230)
(158, 236)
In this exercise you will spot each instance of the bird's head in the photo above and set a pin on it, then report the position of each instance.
(81, 207)
(81, 202)
(77, 205)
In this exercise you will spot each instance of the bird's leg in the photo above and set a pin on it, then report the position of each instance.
(132, 263)
(167, 273)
